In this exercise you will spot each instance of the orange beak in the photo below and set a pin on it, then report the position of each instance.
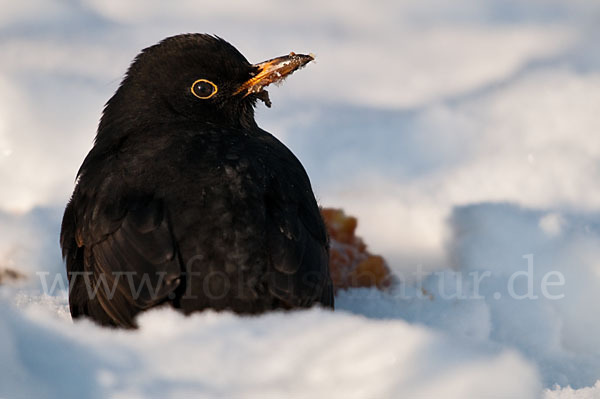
(274, 71)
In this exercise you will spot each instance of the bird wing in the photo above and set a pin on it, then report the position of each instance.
(300, 273)
(121, 259)
(297, 238)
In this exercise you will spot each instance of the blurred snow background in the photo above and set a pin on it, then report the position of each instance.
(464, 136)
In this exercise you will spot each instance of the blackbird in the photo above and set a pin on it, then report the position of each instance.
(184, 201)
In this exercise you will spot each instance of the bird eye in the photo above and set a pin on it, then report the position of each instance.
(204, 89)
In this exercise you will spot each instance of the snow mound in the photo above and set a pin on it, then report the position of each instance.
(304, 354)
(570, 393)
(556, 325)
(513, 282)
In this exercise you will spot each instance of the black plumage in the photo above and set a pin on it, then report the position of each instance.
(184, 201)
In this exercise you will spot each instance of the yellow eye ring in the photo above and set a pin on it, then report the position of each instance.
(200, 92)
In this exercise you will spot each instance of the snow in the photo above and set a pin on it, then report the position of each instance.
(309, 354)
(441, 335)
(570, 393)
(461, 134)
(486, 296)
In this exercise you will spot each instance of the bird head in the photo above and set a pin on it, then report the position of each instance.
(195, 77)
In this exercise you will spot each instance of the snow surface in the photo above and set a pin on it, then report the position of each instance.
(462, 134)
(310, 354)
(570, 393)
